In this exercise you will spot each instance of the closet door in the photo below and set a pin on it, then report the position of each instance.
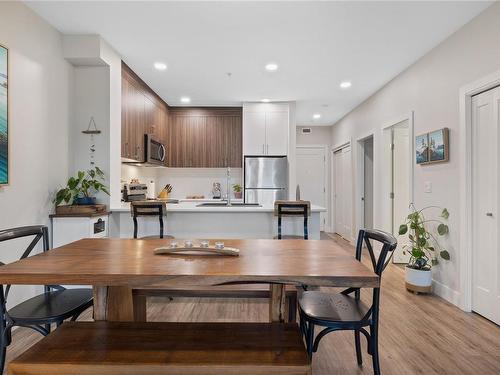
(343, 192)
(485, 224)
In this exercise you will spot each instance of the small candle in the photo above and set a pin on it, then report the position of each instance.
(188, 243)
(219, 245)
(204, 243)
(173, 245)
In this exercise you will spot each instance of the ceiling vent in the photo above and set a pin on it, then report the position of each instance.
(306, 131)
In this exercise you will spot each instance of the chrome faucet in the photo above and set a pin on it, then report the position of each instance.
(228, 176)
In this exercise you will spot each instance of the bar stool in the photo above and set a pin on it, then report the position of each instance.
(148, 208)
(292, 208)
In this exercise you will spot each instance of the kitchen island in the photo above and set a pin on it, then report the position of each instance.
(187, 219)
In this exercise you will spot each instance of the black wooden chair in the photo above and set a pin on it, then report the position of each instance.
(53, 306)
(292, 208)
(343, 311)
(145, 208)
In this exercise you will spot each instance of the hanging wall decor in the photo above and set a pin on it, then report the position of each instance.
(92, 129)
(432, 147)
(4, 116)
(422, 148)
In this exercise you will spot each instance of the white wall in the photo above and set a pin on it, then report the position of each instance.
(40, 105)
(97, 91)
(320, 135)
(430, 87)
(91, 98)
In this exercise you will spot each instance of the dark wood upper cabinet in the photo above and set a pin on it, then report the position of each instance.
(208, 137)
(142, 112)
(205, 137)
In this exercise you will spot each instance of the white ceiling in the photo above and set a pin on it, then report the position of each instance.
(316, 44)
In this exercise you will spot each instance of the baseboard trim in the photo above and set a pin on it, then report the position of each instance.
(445, 292)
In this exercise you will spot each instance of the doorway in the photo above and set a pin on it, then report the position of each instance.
(485, 225)
(367, 182)
(400, 184)
(342, 191)
(311, 177)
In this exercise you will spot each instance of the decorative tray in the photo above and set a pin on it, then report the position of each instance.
(203, 248)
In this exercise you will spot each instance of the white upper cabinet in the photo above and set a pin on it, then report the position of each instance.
(254, 133)
(265, 129)
(276, 133)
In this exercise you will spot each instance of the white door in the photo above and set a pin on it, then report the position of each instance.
(485, 224)
(343, 192)
(254, 133)
(311, 171)
(400, 185)
(277, 133)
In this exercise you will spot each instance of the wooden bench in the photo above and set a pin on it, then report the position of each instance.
(141, 294)
(104, 348)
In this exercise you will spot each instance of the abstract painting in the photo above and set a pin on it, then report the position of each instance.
(422, 148)
(4, 117)
(438, 145)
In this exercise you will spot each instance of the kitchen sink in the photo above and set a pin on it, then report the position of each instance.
(224, 204)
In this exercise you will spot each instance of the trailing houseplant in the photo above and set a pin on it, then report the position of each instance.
(82, 188)
(237, 191)
(423, 247)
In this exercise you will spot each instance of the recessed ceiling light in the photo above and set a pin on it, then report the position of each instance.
(272, 67)
(265, 100)
(316, 116)
(160, 66)
(345, 84)
(185, 99)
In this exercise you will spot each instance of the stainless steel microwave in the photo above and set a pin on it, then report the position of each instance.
(155, 151)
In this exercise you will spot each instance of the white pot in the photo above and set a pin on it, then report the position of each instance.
(419, 281)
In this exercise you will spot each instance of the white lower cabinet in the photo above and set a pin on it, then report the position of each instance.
(69, 229)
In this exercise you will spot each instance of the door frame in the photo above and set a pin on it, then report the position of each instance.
(466, 93)
(335, 148)
(360, 177)
(409, 116)
(327, 225)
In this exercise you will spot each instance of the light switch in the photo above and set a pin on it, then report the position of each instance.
(428, 187)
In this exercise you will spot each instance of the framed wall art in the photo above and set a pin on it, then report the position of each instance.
(422, 148)
(432, 147)
(439, 146)
(4, 116)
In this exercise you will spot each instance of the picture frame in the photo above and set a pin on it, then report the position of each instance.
(4, 115)
(432, 147)
(422, 148)
(439, 146)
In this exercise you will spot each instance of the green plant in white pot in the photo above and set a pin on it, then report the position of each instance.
(424, 247)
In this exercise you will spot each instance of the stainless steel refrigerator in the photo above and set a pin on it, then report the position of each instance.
(266, 179)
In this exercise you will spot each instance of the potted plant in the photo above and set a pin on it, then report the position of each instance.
(81, 190)
(423, 247)
(237, 191)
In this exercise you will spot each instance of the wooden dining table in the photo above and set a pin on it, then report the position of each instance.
(114, 266)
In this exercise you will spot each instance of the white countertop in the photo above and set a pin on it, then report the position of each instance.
(192, 206)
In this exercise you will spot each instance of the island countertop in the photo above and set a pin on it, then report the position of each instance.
(193, 206)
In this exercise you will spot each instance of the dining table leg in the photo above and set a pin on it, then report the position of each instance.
(277, 303)
(113, 303)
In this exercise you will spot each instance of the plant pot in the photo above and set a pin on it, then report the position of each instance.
(85, 201)
(418, 281)
(238, 195)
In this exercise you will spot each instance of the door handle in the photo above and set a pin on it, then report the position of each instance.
(490, 214)
(263, 149)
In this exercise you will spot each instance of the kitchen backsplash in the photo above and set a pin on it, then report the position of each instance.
(185, 181)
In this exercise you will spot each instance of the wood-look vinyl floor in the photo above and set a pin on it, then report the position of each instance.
(418, 334)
